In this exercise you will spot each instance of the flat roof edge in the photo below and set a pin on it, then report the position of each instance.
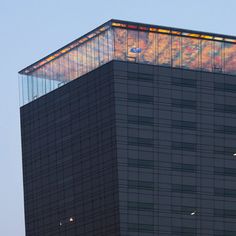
(111, 23)
(175, 29)
(63, 50)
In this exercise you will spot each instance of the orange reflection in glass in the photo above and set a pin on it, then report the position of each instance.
(147, 46)
(217, 56)
(164, 49)
(132, 42)
(230, 58)
(206, 55)
(176, 51)
(120, 38)
(190, 53)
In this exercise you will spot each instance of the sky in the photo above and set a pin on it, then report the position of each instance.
(31, 29)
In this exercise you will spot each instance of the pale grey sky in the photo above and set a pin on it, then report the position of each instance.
(30, 29)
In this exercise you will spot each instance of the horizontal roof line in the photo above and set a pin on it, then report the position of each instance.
(23, 71)
(126, 24)
(175, 29)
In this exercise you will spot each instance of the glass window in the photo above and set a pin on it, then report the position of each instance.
(140, 120)
(218, 56)
(133, 48)
(147, 45)
(164, 49)
(206, 55)
(183, 167)
(230, 58)
(135, 184)
(137, 141)
(178, 188)
(140, 206)
(140, 163)
(176, 51)
(120, 46)
(190, 53)
(133, 227)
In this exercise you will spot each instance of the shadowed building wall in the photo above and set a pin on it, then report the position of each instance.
(69, 159)
(132, 146)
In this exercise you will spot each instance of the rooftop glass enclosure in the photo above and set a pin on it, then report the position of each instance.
(128, 41)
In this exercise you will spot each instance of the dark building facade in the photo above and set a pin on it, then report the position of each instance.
(69, 159)
(141, 143)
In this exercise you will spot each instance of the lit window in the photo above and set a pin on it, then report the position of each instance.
(193, 213)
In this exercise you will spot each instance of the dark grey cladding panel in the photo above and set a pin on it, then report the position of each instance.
(170, 160)
(69, 159)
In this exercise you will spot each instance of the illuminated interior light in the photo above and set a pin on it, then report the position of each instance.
(102, 29)
(91, 36)
(194, 35)
(73, 45)
(193, 213)
(218, 38)
(176, 32)
(234, 154)
(57, 54)
(206, 37)
(132, 26)
(71, 219)
(231, 40)
(163, 31)
(143, 28)
(60, 223)
(118, 24)
(41, 63)
(50, 58)
(115, 24)
(190, 35)
(82, 40)
(153, 29)
(63, 50)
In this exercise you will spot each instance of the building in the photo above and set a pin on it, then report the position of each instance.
(131, 130)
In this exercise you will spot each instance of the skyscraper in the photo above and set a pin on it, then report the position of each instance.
(131, 130)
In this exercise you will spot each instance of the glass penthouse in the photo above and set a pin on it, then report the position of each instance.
(128, 41)
(135, 134)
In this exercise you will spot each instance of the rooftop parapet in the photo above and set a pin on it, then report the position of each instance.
(129, 41)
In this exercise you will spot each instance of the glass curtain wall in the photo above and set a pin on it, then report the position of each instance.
(163, 47)
(174, 51)
(79, 61)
